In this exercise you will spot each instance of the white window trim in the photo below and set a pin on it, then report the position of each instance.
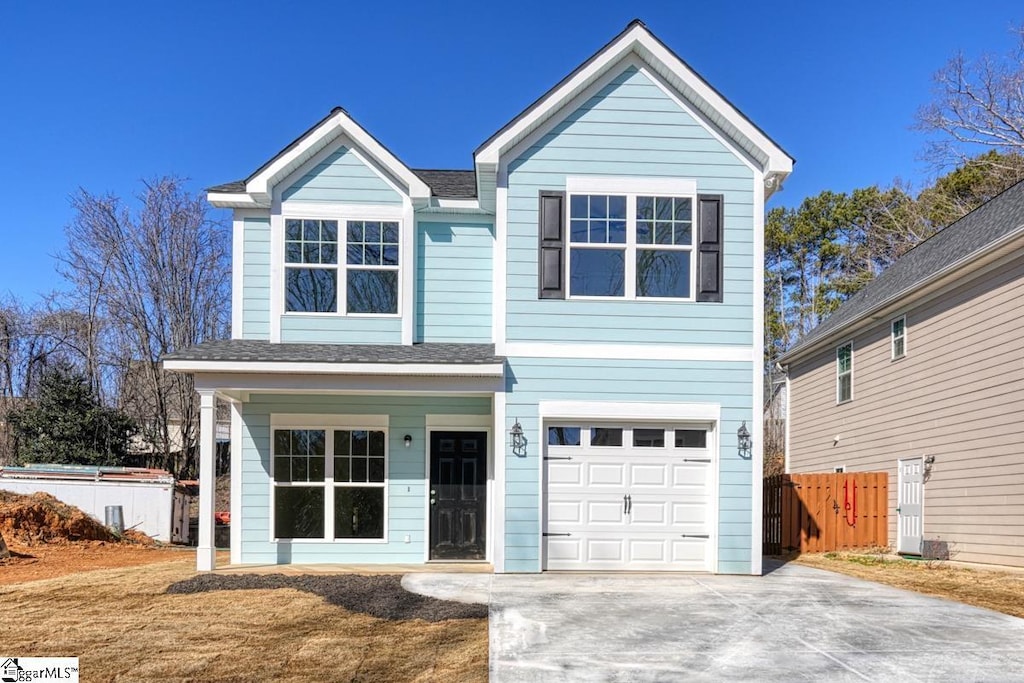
(839, 400)
(342, 267)
(630, 188)
(329, 423)
(892, 338)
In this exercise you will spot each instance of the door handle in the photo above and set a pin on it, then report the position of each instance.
(625, 504)
(629, 504)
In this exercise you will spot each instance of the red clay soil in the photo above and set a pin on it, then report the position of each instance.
(32, 563)
(48, 538)
(41, 518)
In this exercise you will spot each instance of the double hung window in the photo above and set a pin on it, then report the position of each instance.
(844, 373)
(335, 496)
(363, 281)
(631, 246)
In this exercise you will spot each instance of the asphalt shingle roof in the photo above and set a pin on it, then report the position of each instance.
(443, 183)
(449, 184)
(234, 187)
(252, 350)
(986, 225)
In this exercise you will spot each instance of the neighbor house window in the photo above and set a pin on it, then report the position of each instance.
(631, 246)
(844, 373)
(899, 338)
(336, 496)
(364, 282)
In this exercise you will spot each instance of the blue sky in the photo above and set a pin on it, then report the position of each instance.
(101, 95)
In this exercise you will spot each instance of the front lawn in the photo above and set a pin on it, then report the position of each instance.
(124, 625)
(990, 588)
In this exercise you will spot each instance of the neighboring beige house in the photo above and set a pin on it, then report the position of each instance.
(921, 375)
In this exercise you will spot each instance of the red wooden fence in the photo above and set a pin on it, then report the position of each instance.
(814, 513)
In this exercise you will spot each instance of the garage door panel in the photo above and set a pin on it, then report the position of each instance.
(562, 473)
(567, 550)
(606, 474)
(605, 512)
(605, 550)
(565, 512)
(648, 475)
(648, 512)
(690, 474)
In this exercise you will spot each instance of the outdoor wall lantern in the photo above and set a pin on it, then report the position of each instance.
(408, 440)
(743, 440)
(518, 440)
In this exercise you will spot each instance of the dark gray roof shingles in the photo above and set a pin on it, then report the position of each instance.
(974, 232)
(443, 184)
(449, 184)
(251, 350)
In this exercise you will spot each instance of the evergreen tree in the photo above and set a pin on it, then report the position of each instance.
(67, 424)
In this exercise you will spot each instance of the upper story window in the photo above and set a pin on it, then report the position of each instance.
(366, 282)
(899, 338)
(632, 246)
(844, 373)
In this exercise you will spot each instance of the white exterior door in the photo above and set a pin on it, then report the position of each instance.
(910, 506)
(629, 498)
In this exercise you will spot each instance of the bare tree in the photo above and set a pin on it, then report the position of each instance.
(158, 276)
(978, 105)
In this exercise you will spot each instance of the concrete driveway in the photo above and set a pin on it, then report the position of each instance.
(795, 624)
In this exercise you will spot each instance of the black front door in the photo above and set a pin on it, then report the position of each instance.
(458, 495)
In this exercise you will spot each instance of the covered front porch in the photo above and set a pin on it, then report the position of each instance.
(367, 456)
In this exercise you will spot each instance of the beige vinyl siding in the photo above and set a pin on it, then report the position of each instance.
(958, 395)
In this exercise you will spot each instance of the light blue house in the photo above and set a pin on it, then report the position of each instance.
(542, 363)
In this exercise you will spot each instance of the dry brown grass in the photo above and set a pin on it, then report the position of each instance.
(992, 589)
(123, 627)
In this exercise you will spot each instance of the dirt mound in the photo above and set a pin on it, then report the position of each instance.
(40, 518)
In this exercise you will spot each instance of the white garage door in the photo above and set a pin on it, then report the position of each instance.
(635, 497)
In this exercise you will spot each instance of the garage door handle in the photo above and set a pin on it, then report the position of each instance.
(629, 504)
(695, 535)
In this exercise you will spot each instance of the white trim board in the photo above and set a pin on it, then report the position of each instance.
(630, 185)
(633, 412)
(392, 369)
(678, 352)
(311, 420)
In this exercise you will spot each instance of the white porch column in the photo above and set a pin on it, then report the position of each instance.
(206, 553)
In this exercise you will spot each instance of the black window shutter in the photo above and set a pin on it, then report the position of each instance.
(551, 255)
(709, 247)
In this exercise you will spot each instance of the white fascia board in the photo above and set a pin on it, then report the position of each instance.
(637, 39)
(398, 369)
(232, 200)
(635, 412)
(261, 185)
(675, 352)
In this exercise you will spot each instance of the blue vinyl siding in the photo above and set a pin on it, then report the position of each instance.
(344, 178)
(454, 281)
(406, 474)
(256, 278)
(630, 128)
(340, 329)
(532, 380)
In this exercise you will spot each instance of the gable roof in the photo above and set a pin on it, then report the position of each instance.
(637, 38)
(256, 188)
(960, 245)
